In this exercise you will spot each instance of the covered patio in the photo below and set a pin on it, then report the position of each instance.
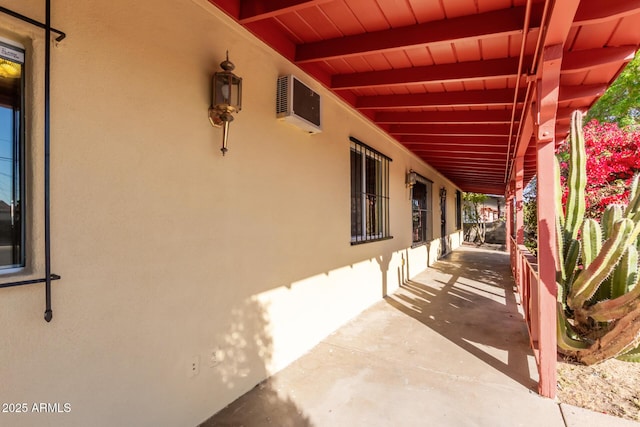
(449, 348)
(178, 264)
(480, 90)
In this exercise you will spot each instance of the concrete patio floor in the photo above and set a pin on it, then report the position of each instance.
(449, 348)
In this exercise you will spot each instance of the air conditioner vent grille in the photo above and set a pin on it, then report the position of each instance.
(298, 104)
(283, 95)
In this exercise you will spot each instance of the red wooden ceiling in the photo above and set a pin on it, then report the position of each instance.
(451, 80)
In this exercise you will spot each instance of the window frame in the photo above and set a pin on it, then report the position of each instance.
(369, 193)
(427, 233)
(18, 208)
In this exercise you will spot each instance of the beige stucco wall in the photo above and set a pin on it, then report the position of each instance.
(169, 251)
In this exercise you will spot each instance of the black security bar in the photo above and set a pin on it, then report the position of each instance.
(9, 12)
(29, 282)
(48, 313)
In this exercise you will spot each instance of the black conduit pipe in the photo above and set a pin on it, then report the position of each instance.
(48, 313)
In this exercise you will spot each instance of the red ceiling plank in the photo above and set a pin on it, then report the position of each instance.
(489, 176)
(486, 140)
(472, 177)
(502, 97)
(482, 189)
(483, 116)
(573, 93)
(270, 33)
(594, 11)
(456, 147)
(451, 154)
(451, 169)
(584, 60)
(448, 129)
(462, 71)
(502, 22)
(489, 157)
(472, 181)
(230, 7)
(256, 10)
(453, 165)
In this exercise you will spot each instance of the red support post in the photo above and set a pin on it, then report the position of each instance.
(519, 188)
(546, 292)
(547, 258)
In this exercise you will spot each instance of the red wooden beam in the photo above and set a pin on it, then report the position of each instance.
(503, 22)
(471, 116)
(584, 60)
(256, 10)
(462, 71)
(596, 11)
(450, 129)
(502, 97)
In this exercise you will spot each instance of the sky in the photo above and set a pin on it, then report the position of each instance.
(6, 154)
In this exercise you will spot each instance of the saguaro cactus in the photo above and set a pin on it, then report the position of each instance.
(598, 292)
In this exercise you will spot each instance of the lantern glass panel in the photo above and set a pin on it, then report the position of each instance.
(227, 91)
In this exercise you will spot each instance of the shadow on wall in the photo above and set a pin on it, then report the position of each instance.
(248, 349)
(467, 298)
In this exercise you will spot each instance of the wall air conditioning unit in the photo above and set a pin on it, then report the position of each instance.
(297, 104)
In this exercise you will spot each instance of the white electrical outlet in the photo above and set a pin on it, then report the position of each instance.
(216, 355)
(193, 367)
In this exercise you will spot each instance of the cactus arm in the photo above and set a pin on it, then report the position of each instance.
(558, 194)
(611, 214)
(614, 309)
(591, 240)
(561, 276)
(588, 281)
(626, 272)
(577, 179)
(634, 198)
(631, 356)
(571, 261)
(566, 343)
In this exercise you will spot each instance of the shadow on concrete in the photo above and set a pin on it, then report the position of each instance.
(468, 298)
(262, 406)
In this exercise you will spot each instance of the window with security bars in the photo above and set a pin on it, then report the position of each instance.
(421, 195)
(369, 194)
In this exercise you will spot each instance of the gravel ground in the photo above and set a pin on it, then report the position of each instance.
(611, 387)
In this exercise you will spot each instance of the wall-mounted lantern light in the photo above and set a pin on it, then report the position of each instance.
(443, 194)
(226, 99)
(412, 178)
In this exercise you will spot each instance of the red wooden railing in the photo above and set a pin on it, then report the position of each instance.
(525, 272)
